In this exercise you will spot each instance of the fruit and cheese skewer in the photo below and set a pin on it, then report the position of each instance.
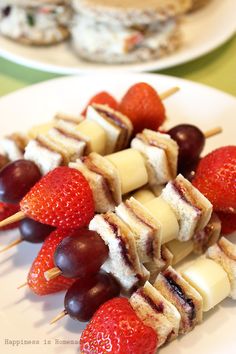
(90, 133)
(88, 292)
(200, 287)
(19, 179)
(135, 233)
(105, 130)
(114, 175)
(173, 305)
(134, 241)
(200, 240)
(223, 159)
(154, 156)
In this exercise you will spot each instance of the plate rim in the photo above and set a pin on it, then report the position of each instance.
(114, 74)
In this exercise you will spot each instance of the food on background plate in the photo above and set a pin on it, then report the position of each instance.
(33, 22)
(126, 31)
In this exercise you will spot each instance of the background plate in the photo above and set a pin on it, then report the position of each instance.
(203, 31)
(24, 316)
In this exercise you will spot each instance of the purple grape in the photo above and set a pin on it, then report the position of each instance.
(16, 179)
(86, 295)
(80, 254)
(191, 142)
(33, 231)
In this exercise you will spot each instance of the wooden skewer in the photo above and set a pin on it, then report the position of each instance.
(12, 244)
(20, 215)
(59, 317)
(13, 218)
(213, 132)
(22, 285)
(169, 92)
(52, 273)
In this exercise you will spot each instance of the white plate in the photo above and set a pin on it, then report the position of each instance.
(203, 31)
(24, 316)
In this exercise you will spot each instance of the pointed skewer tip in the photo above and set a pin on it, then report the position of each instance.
(22, 285)
(58, 317)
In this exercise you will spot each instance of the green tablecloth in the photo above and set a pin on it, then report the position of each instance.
(216, 69)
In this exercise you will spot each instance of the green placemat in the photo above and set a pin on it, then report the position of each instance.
(217, 69)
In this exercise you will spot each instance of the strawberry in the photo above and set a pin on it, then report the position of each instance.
(143, 106)
(102, 98)
(7, 210)
(62, 198)
(45, 261)
(228, 222)
(216, 178)
(115, 328)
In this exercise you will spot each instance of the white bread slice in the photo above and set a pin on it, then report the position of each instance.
(224, 253)
(73, 120)
(123, 261)
(101, 193)
(191, 208)
(207, 237)
(160, 153)
(165, 142)
(13, 146)
(101, 165)
(145, 228)
(118, 119)
(117, 126)
(48, 143)
(65, 138)
(156, 312)
(112, 132)
(183, 296)
(46, 159)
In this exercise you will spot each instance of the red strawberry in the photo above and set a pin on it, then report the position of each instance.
(228, 222)
(143, 106)
(102, 98)
(7, 210)
(115, 328)
(216, 178)
(45, 261)
(62, 198)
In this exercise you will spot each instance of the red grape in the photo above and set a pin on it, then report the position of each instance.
(16, 179)
(191, 142)
(33, 231)
(86, 295)
(80, 254)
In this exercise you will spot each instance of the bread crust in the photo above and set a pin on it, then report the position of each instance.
(129, 12)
